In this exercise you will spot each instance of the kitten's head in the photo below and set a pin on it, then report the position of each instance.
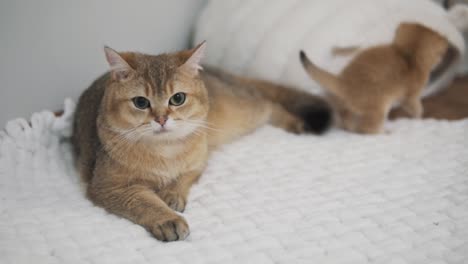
(424, 44)
(154, 97)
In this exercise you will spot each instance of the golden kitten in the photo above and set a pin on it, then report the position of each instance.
(144, 131)
(382, 77)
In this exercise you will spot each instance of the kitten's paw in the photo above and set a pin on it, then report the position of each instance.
(174, 200)
(171, 230)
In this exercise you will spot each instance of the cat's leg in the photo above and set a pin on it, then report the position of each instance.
(372, 122)
(141, 205)
(285, 120)
(347, 119)
(175, 195)
(413, 107)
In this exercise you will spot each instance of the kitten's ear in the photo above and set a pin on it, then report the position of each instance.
(192, 64)
(120, 69)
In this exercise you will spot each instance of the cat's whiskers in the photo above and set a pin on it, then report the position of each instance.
(198, 127)
(199, 132)
(121, 144)
(196, 123)
(123, 140)
(202, 124)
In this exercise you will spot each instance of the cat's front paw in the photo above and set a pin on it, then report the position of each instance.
(174, 200)
(171, 230)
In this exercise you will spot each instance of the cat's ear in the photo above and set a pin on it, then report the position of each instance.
(192, 64)
(120, 69)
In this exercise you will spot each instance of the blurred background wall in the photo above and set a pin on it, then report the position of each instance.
(52, 49)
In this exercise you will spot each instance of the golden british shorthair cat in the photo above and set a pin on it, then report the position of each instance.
(144, 131)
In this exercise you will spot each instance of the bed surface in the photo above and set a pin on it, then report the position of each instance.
(270, 197)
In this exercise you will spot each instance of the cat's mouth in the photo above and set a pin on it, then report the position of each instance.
(159, 129)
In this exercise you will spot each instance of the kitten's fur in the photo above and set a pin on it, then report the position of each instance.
(136, 169)
(381, 77)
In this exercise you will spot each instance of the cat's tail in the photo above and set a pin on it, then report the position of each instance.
(313, 110)
(326, 80)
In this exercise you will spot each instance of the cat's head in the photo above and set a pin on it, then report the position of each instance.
(422, 43)
(154, 97)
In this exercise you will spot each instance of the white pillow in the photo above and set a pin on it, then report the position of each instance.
(262, 38)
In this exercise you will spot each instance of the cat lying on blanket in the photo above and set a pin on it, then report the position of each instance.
(381, 77)
(143, 132)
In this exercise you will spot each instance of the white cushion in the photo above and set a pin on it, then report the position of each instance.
(262, 39)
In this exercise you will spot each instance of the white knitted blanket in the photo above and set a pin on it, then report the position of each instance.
(271, 197)
(262, 38)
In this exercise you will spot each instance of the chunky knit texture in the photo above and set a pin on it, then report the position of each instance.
(271, 197)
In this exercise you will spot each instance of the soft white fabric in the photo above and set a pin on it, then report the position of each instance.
(262, 38)
(271, 197)
(458, 15)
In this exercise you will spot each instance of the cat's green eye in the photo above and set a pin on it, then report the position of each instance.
(141, 102)
(177, 99)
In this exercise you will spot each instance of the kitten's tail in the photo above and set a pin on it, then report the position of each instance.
(327, 80)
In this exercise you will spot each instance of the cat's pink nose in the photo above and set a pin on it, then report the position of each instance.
(161, 120)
